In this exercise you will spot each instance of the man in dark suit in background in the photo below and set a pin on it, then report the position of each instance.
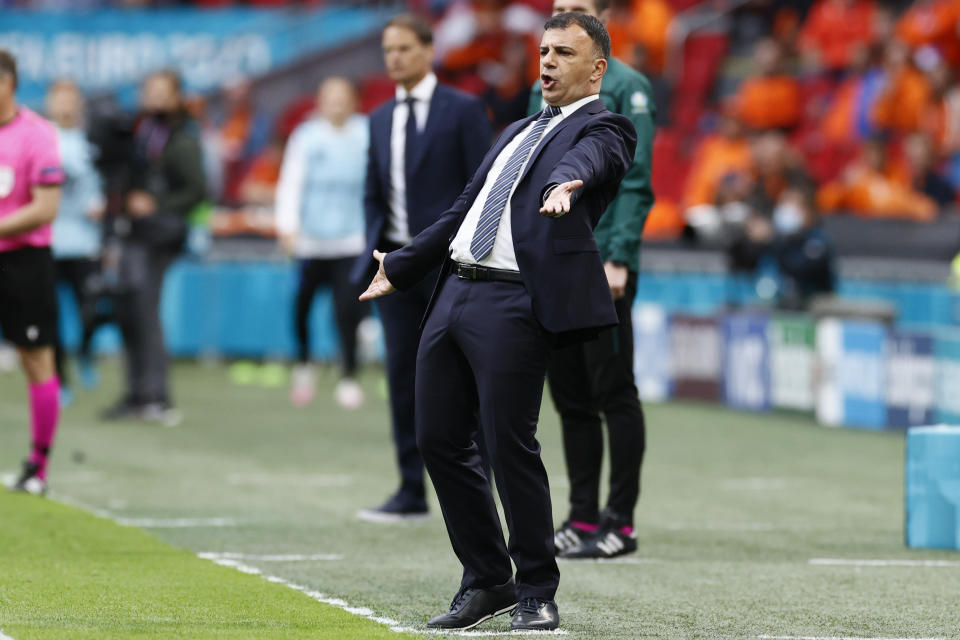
(424, 146)
(521, 274)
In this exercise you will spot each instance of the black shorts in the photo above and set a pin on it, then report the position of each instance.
(28, 297)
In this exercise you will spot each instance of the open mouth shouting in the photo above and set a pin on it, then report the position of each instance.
(547, 81)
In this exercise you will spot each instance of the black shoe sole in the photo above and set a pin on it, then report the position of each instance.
(478, 622)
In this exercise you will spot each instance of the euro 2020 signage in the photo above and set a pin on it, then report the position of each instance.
(110, 51)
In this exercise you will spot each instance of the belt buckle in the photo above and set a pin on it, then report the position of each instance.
(468, 271)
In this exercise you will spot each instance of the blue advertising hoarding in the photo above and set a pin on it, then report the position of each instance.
(947, 347)
(109, 51)
(910, 379)
(651, 351)
(852, 366)
(746, 362)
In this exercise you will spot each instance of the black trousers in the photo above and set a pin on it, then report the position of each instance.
(348, 310)
(482, 348)
(78, 274)
(401, 314)
(143, 268)
(590, 379)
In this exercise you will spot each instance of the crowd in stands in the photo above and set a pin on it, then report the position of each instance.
(858, 97)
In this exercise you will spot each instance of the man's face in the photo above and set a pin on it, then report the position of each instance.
(407, 59)
(578, 6)
(159, 95)
(64, 106)
(569, 68)
(7, 90)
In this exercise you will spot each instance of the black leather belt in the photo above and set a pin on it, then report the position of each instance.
(487, 274)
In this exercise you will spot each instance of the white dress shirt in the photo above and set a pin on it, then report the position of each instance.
(397, 228)
(502, 255)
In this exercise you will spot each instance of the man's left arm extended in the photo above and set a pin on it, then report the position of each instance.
(41, 210)
(604, 153)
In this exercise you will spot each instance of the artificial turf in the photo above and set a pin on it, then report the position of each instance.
(734, 508)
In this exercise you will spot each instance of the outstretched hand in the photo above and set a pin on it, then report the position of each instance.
(380, 285)
(558, 202)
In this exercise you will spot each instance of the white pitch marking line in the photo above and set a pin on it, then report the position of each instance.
(289, 557)
(720, 526)
(287, 480)
(837, 638)
(494, 634)
(175, 523)
(363, 612)
(4, 636)
(316, 595)
(146, 523)
(846, 562)
(610, 561)
(757, 484)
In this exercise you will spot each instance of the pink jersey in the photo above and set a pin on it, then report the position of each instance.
(29, 156)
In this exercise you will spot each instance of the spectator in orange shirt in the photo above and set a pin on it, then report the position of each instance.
(770, 99)
(719, 176)
(834, 29)
(723, 153)
(644, 23)
(903, 104)
(933, 23)
(869, 188)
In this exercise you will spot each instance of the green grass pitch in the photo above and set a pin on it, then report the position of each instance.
(735, 508)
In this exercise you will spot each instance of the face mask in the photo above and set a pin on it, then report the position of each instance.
(787, 218)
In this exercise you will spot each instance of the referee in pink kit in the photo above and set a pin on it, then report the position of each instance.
(30, 178)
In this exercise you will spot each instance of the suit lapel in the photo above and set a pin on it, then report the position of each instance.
(592, 107)
(382, 134)
(435, 115)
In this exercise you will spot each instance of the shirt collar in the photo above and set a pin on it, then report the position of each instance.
(568, 109)
(422, 92)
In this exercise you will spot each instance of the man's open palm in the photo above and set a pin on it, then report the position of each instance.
(379, 286)
(558, 202)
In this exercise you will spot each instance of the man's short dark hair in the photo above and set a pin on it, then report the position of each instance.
(593, 27)
(601, 5)
(419, 26)
(8, 65)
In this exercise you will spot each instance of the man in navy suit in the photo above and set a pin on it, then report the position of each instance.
(424, 146)
(521, 273)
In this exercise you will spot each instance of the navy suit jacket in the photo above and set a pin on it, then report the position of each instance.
(558, 257)
(451, 145)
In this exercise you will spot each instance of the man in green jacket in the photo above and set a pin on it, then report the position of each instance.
(597, 377)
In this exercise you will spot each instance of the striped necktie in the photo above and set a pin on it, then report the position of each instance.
(486, 233)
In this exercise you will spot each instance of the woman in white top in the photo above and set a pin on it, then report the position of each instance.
(320, 221)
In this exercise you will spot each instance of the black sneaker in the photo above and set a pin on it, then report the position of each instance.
(472, 606)
(399, 508)
(124, 409)
(609, 541)
(29, 481)
(568, 536)
(534, 614)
